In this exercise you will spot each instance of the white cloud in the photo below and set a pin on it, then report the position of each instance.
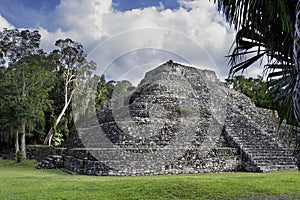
(196, 32)
(202, 25)
(79, 20)
(4, 23)
(82, 15)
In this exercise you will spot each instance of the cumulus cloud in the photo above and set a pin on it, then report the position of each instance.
(197, 30)
(123, 41)
(78, 20)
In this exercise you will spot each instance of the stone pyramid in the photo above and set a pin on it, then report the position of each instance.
(178, 120)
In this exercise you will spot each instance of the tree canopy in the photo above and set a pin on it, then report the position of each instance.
(70, 61)
(24, 92)
(37, 88)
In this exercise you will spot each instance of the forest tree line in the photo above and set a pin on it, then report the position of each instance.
(37, 88)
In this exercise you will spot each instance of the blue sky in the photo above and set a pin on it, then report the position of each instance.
(123, 5)
(27, 13)
(128, 29)
(34, 13)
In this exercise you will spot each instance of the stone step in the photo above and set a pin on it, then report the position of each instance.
(276, 158)
(262, 152)
(51, 162)
(55, 156)
(263, 148)
(266, 162)
(269, 168)
(45, 162)
(271, 157)
(257, 140)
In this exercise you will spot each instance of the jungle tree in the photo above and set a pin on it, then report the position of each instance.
(70, 64)
(17, 84)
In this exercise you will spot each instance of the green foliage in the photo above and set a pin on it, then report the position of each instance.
(104, 90)
(16, 44)
(265, 31)
(23, 87)
(25, 94)
(111, 89)
(283, 184)
(122, 88)
(19, 156)
(36, 88)
(58, 138)
(70, 67)
(254, 88)
(264, 28)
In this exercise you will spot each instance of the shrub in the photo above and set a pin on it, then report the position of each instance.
(19, 156)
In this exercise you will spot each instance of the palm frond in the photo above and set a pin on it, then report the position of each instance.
(265, 31)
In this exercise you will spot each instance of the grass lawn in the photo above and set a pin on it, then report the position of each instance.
(22, 181)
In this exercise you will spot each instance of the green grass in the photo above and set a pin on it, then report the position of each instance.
(22, 181)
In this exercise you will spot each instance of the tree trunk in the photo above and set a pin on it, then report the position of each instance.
(51, 131)
(17, 143)
(49, 137)
(23, 142)
(50, 134)
(296, 95)
(23, 146)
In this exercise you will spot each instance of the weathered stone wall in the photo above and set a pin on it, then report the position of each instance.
(217, 160)
(39, 152)
(7, 151)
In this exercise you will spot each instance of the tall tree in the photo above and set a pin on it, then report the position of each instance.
(14, 46)
(25, 97)
(71, 63)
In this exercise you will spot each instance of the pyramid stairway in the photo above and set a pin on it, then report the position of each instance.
(260, 151)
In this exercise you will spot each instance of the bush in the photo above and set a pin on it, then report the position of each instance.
(19, 156)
